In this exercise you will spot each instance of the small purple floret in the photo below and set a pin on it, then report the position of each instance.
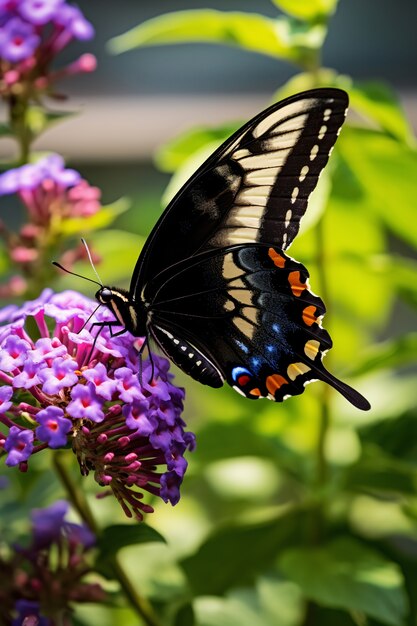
(18, 40)
(19, 445)
(5, 395)
(54, 427)
(39, 12)
(14, 353)
(28, 614)
(97, 376)
(59, 376)
(85, 403)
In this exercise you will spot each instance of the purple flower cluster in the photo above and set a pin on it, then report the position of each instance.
(23, 32)
(130, 434)
(48, 576)
(51, 194)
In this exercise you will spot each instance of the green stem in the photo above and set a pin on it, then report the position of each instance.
(18, 114)
(140, 604)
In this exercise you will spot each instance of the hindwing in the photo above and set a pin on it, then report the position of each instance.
(244, 314)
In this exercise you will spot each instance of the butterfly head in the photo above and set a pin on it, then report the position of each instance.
(105, 295)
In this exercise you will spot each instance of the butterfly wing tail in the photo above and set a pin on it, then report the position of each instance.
(353, 396)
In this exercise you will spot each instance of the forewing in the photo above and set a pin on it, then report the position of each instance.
(245, 314)
(253, 189)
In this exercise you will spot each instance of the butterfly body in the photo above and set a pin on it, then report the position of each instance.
(214, 286)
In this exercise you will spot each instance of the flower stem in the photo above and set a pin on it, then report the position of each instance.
(18, 114)
(140, 604)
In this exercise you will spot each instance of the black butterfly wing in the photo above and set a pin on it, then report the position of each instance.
(245, 315)
(253, 189)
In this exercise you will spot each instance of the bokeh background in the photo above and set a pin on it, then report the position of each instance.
(267, 503)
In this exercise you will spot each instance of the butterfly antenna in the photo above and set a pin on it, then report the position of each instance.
(91, 260)
(75, 274)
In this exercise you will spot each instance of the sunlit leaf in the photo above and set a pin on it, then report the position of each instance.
(374, 101)
(102, 219)
(307, 9)
(346, 574)
(187, 169)
(280, 38)
(38, 119)
(389, 354)
(386, 171)
(176, 152)
(379, 104)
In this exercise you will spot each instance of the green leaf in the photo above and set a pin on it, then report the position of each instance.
(396, 437)
(401, 272)
(385, 171)
(374, 101)
(346, 574)
(38, 119)
(378, 103)
(243, 552)
(102, 219)
(176, 152)
(307, 9)
(187, 169)
(272, 602)
(280, 38)
(379, 473)
(114, 538)
(389, 354)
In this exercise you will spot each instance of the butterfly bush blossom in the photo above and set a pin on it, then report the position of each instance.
(37, 584)
(51, 194)
(32, 34)
(62, 384)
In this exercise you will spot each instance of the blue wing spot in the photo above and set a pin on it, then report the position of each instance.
(276, 327)
(242, 346)
(271, 348)
(256, 362)
(240, 371)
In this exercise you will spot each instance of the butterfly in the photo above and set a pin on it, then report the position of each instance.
(214, 286)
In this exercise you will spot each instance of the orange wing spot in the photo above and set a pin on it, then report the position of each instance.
(278, 260)
(308, 315)
(255, 392)
(297, 287)
(274, 382)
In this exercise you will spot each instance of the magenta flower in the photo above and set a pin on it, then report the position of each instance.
(131, 436)
(18, 40)
(39, 12)
(54, 426)
(19, 445)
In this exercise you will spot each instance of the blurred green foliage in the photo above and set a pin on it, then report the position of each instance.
(305, 513)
